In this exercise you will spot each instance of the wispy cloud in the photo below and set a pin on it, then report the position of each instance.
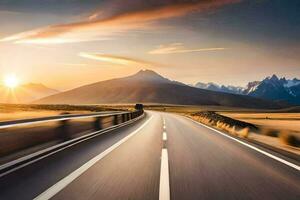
(73, 64)
(94, 16)
(179, 48)
(8, 12)
(114, 59)
(98, 29)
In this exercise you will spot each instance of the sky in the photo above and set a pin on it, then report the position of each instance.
(68, 43)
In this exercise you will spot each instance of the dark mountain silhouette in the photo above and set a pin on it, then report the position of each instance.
(149, 87)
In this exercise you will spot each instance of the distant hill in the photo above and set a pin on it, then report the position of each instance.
(25, 93)
(149, 87)
(271, 88)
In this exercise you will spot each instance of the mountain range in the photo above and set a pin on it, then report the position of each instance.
(217, 88)
(147, 86)
(272, 88)
(25, 93)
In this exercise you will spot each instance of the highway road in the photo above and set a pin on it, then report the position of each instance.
(162, 156)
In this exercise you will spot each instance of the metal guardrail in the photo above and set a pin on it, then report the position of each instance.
(55, 119)
(24, 135)
(20, 162)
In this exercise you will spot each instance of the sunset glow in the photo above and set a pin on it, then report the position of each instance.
(230, 42)
(197, 98)
(11, 81)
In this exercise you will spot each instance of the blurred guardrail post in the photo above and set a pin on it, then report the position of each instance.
(128, 116)
(124, 118)
(64, 129)
(116, 120)
(98, 123)
(23, 135)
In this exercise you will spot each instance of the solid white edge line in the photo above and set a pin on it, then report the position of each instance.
(253, 147)
(164, 136)
(164, 185)
(50, 192)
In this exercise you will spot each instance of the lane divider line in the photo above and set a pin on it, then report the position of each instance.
(253, 147)
(53, 190)
(164, 136)
(164, 185)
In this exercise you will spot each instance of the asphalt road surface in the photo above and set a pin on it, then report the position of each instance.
(163, 156)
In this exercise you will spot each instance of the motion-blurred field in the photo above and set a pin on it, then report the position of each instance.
(281, 121)
(277, 128)
(27, 111)
(236, 110)
(285, 119)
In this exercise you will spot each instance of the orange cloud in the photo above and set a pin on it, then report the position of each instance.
(179, 48)
(73, 64)
(94, 16)
(119, 60)
(98, 29)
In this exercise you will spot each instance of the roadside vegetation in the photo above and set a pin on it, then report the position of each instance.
(27, 111)
(275, 128)
(20, 140)
(245, 129)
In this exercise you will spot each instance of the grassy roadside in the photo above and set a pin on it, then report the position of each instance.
(245, 123)
(27, 111)
(278, 138)
(18, 141)
(244, 129)
(286, 143)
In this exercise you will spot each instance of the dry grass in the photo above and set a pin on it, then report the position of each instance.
(262, 115)
(289, 138)
(240, 132)
(271, 123)
(281, 139)
(285, 126)
(192, 109)
(269, 132)
(26, 111)
(275, 121)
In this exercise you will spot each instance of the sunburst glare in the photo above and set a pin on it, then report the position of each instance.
(11, 81)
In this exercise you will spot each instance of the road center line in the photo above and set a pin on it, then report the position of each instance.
(253, 147)
(164, 136)
(164, 186)
(53, 190)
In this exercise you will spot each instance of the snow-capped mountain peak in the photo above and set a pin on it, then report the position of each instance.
(291, 83)
(272, 87)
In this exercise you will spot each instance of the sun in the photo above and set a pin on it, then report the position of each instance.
(11, 81)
